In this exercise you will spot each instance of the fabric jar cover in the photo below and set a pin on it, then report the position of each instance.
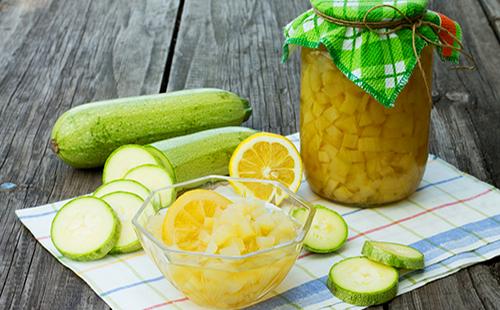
(378, 60)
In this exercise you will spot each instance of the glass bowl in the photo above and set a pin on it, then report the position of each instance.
(215, 280)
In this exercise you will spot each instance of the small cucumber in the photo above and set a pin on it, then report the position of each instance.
(154, 178)
(123, 185)
(84, 136)
(85, 228)
(393, 254)
(125, 158)
(362, 282)
(328, 230)
(125, 206)
(202, 153)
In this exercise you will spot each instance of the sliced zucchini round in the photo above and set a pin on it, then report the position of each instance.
(125, 206)
(154, 177)
(85, 228)
(362, 282)
(162, 158)
(328, 230)
(394, 254)
(123, 185)
(125, 158)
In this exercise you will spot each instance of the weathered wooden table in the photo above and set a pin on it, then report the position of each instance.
(56, 54)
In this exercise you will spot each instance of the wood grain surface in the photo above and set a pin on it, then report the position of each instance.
(492, 10)
(236, 45)
(56, 54)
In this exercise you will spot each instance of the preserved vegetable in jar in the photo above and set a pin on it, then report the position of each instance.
(365, 100)
(354, 149)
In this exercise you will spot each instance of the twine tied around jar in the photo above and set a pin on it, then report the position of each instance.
(405, 22)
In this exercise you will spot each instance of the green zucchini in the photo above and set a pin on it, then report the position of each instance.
(84, 136)
(122, 185)
(393, 254)
(162, 159)
(85, 228)
(125, 206)
(328, 230)
(202, 153)
(362, 282)
(125, 158)
(154, 178)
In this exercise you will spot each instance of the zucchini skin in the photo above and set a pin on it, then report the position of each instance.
(361, 298)
(374, 253)
(366, 300)
(203, 153)
(313, 249)
(84, 136)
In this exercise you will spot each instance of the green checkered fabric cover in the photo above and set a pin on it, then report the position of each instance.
(381, 64)
(355, 10)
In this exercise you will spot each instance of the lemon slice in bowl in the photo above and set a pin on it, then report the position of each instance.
(266, 156)
(189, 216)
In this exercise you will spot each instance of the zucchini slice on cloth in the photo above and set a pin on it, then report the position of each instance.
(86, 228)
(394, 254)
(328, 231)
(125, 206)
(362, 282)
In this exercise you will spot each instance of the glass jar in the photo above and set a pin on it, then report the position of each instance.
(356, 151)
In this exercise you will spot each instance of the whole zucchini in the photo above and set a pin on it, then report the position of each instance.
(84, 136)
(202, 153)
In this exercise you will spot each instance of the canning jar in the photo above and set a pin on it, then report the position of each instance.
(365, 100)
(355, 150)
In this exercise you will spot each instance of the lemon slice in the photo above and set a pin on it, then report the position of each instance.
(189, 216)
(266, 156)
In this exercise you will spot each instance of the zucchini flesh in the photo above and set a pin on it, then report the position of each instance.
(154, 178)
(394, 254)
(328, 230)
(362, 282)
(125, 206)
(123, 185)
(125, 158)
(86, 228)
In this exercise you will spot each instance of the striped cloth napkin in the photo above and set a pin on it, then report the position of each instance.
(453, 218)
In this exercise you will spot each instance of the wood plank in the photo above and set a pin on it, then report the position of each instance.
(492, 10)
(447, 293)
(485, 281)
(467, 101)
(236, 45)
(54, 55)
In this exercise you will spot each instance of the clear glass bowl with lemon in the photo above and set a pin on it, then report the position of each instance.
(221, 246)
